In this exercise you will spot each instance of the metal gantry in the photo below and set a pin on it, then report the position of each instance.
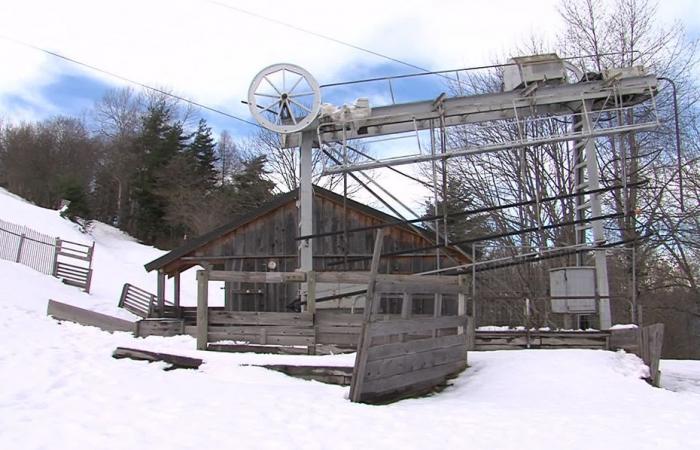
(585, 103)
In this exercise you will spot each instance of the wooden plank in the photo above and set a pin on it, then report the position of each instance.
(176, 361)
(430, 281)
(257, 277)
(70, 313)
(338, 330)
(255, 338)
(256, 348)
(372, 302)
(411, 362)
(339, 339)
(416, 287)
(408, 384)
(159, 327)
(336, 318)
(389, 327)
(202, 309)
(652, 344)
(260, 318)
(402, 348)
(269, 330)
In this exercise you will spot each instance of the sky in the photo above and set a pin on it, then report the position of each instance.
(210, 50)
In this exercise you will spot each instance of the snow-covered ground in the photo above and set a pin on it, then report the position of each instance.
(62, 389)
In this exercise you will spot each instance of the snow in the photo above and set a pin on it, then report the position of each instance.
(63, 390)
(681, 375)
(623, 326)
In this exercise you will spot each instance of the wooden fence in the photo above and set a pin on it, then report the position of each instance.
(23, 245)
(646, 342)
(524, 339)
(143, 303)
(262, 328)
(71, 262)
(77, 272)
(408, 356)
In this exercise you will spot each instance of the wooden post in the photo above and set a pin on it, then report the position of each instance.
(311, 292)
(19, 249)
(176, 293)
(56, 249)
(161, 293)
(462, 300)
(406, 309)
(202, 309)
(371, 302)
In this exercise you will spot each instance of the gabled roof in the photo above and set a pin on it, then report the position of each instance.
(276, 202)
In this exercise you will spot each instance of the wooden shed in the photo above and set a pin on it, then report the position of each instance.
(265, 240)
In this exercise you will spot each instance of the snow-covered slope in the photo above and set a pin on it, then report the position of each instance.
(118, 257)
(61, 388)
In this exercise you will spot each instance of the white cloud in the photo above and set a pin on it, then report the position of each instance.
(211, 53)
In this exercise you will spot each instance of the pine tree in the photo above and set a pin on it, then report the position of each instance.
(159, 143)
(252, 188)
(202, 150)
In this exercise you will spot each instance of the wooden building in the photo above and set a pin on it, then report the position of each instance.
(266, 240)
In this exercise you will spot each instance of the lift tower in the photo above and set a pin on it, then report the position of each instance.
(286, 99)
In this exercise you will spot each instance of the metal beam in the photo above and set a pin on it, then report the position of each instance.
(517, 143)
(409, 117)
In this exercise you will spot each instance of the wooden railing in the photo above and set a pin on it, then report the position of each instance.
(143, 303)
(74, 273)
(262, 327)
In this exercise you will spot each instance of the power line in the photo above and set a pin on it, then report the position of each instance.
(324, 36)
(128, 80)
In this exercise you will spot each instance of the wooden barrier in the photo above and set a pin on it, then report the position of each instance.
(337, 328)
(646, 342)
(72, 273)
(142, 303)
(523, 339)
(175, 361)
(70, 313)
(407, 356)
(159, 327)
(261, 327)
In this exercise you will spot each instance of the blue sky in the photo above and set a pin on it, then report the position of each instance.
(208, 52)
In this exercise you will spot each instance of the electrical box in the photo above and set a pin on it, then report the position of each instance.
(573, 290)
(531, 69)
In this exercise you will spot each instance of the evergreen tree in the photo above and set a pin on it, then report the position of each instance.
(159, 143)
(251, 184)
(202, 150)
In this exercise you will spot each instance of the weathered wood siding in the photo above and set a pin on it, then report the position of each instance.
(408, 355)
(262, 327)
(271, 237)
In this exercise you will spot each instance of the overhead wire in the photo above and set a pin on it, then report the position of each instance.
(328, 38)
(128, 80)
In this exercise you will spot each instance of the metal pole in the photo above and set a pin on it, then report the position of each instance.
(305, 207)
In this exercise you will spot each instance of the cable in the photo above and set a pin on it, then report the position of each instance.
(128, 80)
(326, 37)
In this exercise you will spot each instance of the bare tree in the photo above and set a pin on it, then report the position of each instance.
(284, 163)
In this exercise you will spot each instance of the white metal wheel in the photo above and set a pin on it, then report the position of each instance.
(284, 98)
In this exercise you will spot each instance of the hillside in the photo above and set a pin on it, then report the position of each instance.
(62, 388)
